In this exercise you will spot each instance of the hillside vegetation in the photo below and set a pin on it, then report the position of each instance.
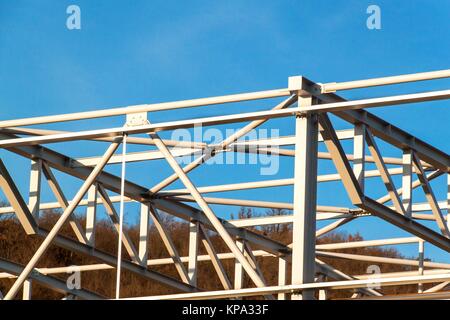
(17, 247)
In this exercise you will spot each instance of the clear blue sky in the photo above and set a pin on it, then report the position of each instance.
(149, 51)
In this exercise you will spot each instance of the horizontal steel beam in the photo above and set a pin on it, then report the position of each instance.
(130, 140)
(331, 285)
(282, 219)
(146, 108)
(431, 75)
(403, 273)
(366, 243)
(136, 156)
(270, 183)
(378, 102)
(172, 125)
(257, 203)
(444, 295)
(378, 259)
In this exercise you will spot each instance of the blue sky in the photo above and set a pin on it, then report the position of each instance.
(150, 51)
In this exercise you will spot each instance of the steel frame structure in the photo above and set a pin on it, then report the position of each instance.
(310, 105)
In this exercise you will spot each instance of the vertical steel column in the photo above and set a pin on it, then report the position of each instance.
(448, 201)
(421, 264)
(143, 234)
(122, 203)
(238, 270)
(194, 227)
(407, 182)
(322, 292)
(359, 153)
(305, 189)
(91, 215)
(34, 199)
(282, 279)
(27, 287)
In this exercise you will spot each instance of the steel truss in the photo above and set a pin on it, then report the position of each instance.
(310, 105)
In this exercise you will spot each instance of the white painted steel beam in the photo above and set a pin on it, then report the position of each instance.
(340, 161)
(260, 115)
(431, 75)
(295, 289)
(146, 108)
(229, 230)
(366, 243)
(27, 290)
(305, 190)
(238, 269)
